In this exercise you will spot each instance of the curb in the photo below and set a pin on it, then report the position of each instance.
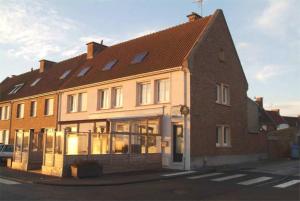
(16, 180)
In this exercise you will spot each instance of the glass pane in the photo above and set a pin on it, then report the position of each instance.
(58, 142)
(120, 127)
(26, 142)
(77, 144)
(139, 127)
(154, 144)
(153, 127)
(49, 142)
(120, 144)
(19, 141)
(100, 144)
(139, 58)
(138, 144)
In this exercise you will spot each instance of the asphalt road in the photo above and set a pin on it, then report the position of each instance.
(179, 188)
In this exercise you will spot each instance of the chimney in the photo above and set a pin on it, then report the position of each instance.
(260, 101)
(193, 17)
(93, 48)
(45, 65)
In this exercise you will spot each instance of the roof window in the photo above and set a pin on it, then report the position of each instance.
(16, 89)
(66, 73)
(83, 71)
(138, 58)
(110, 64)
(35, 82)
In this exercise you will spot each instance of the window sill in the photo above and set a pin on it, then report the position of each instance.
(228, 105)
(76, 112)
(223, 146)
(52, 115)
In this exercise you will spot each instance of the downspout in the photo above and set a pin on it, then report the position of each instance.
(10, 124)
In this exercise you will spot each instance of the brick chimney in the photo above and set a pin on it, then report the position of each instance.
(260, 101)
(193, 17)
(45, 65)
(93, 48)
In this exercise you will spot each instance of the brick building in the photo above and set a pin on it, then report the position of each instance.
(176, 98)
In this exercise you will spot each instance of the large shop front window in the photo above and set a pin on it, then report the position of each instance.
(100, 144)
(77, 144)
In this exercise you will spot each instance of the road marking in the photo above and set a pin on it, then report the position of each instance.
(287, 184)
(178, 173)
(254, 181)
(9, 182)
(229, 177)
(205, 175)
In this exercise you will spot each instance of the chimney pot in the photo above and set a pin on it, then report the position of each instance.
(260, 101)
(45, 65)
(194, 16)
(93, 48)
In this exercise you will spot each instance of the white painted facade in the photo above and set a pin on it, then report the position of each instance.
(170, 111)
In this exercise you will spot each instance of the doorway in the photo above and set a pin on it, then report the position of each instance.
(178, 143)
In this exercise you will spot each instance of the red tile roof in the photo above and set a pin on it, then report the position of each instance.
(166, 49)
(276, 117)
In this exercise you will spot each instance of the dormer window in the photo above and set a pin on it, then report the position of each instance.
(109, 65)
(35, 82)
(16, 89)
(138, 58)
(65, 74)
(83, 71)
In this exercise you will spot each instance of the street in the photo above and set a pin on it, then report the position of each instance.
(229, 185)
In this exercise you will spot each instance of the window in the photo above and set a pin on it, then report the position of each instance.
(35, 82)
(16, 89)
(223, 136)
(226, 95)
(163, 90)
(65, 74)
(144, 93)
(4, 136)
(33, 107)
(83, 72)
(20, 111)
(4, 112)
(77, 144)
(139, 58)
(82, 102)
(138, 144)
(117, 97)
(110, 64)
(120, 144)
(222, 94)
(49, 107)
(72, 103)
(100, 144)
(103, 99)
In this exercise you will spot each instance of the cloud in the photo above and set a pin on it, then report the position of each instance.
(288, 108)
(280, 18)
(32, 30)
(268, 71)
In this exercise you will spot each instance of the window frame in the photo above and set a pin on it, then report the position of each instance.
(20, 111)
(16, 89)
(166, 94)
(115, 97)
(101, 101)
(222, 136)
(81, 103)
(140, 92)
(222, 97)
(48, 111)
(31, 114)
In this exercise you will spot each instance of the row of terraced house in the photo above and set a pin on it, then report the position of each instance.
(175, 99)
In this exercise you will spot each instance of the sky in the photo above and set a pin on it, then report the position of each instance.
(266, 34)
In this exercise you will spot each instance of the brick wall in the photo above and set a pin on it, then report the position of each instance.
(206, 70)
(36, 123)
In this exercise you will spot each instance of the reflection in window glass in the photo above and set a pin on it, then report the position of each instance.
(154, 144)
(153, 127)
(58, 143)
(100, 144)
(26, 142)
(49, 142)
(139, 127)
(138, 144)
(77, 144)
(19, 141)
(120, 127)
(120, 144)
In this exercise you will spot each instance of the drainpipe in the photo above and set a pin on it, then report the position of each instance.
(185, 166)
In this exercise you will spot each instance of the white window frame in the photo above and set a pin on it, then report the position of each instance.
(4, 136)
(72, 106)
(221, 137)
(144, 98)
(162, 90)
(222, 97)
(103, 101)
(22, 111)
(117, 97)
(49, 108)
(35, 109)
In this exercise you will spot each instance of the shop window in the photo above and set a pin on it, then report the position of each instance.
(139, 127)
(77, 144)
(120, 127)
(154, 144)
(138, 144)
(120, 144)
(100, 144)
(153, 127)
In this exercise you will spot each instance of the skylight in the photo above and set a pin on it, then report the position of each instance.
(138, 58)
(35, 82)
(66, 73)
(83, 71)
(110, 64)
(16, 89)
